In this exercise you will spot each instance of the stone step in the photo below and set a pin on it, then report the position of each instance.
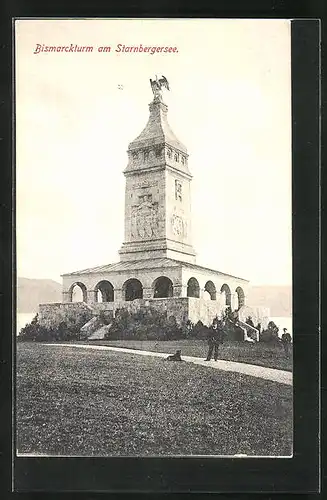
(100, 333)
(91, 326)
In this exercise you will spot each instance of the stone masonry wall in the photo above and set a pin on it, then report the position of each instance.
(178, 208)
(258, 315)
(52, 314)
(183, 308)
(204, 310)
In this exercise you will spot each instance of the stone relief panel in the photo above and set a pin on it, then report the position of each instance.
(144, 219)
(178, 226)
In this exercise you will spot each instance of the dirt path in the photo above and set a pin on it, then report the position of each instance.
(281, 376)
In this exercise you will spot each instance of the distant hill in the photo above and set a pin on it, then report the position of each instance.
(277, 298)
(32, 292)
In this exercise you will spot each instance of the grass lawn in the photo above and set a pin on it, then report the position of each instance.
(88, 402)
(261, 353)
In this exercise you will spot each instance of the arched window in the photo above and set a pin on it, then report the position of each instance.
(228, 296)
(162, 287)
(210, 288)
(78, 292)
(104, 292)
(193, 288)
(240, 297)
(132, 289)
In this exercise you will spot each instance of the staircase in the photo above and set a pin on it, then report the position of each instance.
(100, 333)
(96, 328)
(90, 327)
(250, 333)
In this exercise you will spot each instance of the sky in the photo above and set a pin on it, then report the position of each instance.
(229, 103)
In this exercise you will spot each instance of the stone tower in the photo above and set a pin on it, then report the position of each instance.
(157, 266)
(157, 194)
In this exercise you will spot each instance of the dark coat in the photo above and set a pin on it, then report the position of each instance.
(215, 336)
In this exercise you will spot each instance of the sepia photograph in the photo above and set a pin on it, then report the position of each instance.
(153, 238)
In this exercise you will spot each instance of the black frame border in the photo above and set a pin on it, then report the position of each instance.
(144, 475)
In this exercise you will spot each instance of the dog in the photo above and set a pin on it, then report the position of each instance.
(175, 357)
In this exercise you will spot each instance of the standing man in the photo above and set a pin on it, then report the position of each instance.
(286, 341)
(214, 339)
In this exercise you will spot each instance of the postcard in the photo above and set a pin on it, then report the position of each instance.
(154, 238)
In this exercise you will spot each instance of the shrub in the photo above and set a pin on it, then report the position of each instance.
(199, 331)
(105, 317)
(145, 324)
(65, 325)
(270, 334)
(33, 331)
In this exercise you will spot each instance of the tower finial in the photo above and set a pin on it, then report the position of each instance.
(157, 85)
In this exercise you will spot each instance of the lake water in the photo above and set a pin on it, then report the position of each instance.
(23, 319)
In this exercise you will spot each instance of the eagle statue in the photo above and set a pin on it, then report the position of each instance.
(157, 85)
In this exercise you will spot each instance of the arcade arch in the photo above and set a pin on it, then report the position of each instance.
(193, 288)
(104, 291)
(228, 296)
(210, 288)
(162, 287)
(78, 292)
(132, 289)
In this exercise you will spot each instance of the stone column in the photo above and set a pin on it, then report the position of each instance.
(234, 301)
(147, 293)
(91, 296)
(66, 296)
(118, 295)
(180, 291)
(245, 300)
